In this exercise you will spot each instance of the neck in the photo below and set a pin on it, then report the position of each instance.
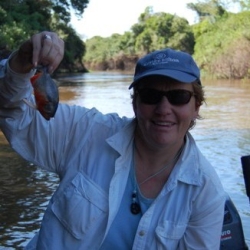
(151, 159)
(152, 169)
(151, 178)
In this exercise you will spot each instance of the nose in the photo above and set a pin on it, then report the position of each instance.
(164, 106)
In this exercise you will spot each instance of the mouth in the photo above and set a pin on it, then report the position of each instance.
(163, 123)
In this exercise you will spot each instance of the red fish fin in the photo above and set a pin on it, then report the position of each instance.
(35, 77)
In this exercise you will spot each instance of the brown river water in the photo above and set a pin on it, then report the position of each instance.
(223, 136)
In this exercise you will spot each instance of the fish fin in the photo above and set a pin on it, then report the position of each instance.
(35, 77)
(32, 105)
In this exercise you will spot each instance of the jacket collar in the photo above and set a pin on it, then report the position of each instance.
(123, 140)
(187, 167)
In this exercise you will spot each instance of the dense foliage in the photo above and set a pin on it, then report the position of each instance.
(152, 32)
(220, 41)
(223, 47)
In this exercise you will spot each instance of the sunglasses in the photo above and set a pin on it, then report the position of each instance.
(175, 97)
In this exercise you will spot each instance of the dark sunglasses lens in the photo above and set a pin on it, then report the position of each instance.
(179, 96)
(150, 96)
(175, 97)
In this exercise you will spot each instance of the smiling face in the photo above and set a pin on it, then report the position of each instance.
(164, 124)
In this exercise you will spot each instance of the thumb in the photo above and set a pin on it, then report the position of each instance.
(25, 53)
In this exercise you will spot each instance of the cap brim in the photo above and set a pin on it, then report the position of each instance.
(180, 76)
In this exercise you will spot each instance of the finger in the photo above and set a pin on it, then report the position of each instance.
(47, 47)
(57, 58)
(55, 63)
(36, 41)
(55, 55)
(25, 52)
(42, 43)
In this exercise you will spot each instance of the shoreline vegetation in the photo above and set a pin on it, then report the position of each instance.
(219, 41)
(220, 47)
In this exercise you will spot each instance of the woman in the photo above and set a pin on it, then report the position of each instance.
(138, 183)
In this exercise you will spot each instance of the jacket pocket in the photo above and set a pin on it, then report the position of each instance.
(169, 233)
(82, 206)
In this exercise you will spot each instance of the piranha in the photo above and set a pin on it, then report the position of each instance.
(46, 93)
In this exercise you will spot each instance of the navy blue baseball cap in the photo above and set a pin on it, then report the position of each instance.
(171, 63)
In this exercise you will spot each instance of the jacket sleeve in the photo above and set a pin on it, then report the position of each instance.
(14, 88)
(41, 142)
(48, 144)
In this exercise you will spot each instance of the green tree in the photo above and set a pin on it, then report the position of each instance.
(127, 43)
(208, 9)
(222, 49)
(153, 31)
(74, 49)
(96, 52)
(161, 30)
